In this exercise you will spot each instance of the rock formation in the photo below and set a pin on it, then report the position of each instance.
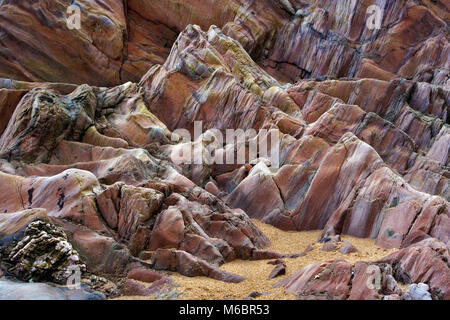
(44, 254)
(339, 280)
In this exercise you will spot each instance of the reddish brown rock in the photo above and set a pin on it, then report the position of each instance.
(132, 287)
(137, 206)
(15, 221)
(203, 248)
(329, 246)
(9, 99)
(310, 35)
(309, 248)
(212, 188)
(364, 155)
(324, 281)
(109, 205)
(373, 282)
(348, 248)
(68, 195)
(144, 275)
(286, 35)
(276, 262)
(339, 280)
(265, 255)
(188, 265)
(414, 237)
(101, 254)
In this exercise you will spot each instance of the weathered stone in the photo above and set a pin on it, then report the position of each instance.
(168, 231)
(136, 288)
(373, 282)
(12, 290)
(362, 121)
(188, 265)
(348, 248)
(329, 246)
(417, 292)
(324, 281)
(44, 254)
(144, 275)
(425, 261)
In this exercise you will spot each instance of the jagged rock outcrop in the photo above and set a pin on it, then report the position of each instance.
(188, 265)
(355, 123)
(90, 160)
(426, 261)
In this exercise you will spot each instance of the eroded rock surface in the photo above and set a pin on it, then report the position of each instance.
(361, 146)
(44, 254)
(11, 290)
(292, 39)
(340, 280)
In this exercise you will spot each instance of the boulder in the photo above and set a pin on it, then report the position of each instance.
(168, 231)
(279, 270)
(322, 281)
(348, 248)
(144, 275)
(188, 265)
(339, 280)
(418, 291)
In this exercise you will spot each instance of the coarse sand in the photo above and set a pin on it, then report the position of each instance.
(256, 272)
